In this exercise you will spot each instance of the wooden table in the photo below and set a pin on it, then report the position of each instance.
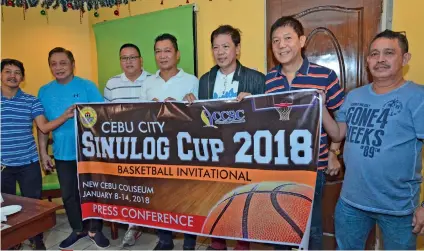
(36, 216)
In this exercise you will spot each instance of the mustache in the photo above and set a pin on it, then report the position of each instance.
(381, 65)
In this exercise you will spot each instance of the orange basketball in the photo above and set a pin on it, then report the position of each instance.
(274, 211)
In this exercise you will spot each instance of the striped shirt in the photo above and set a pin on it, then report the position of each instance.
(120, 89)
(17, 140)
(310, 76)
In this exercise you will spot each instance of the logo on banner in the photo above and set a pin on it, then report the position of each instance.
(211, 119)
(88, 117)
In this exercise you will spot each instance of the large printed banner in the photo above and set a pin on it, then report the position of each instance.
(239, 170)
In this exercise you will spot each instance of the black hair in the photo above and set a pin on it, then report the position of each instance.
(288, 21)
(167, 36)
(228, 30)
(17, 63)
(399, 36)
(130, 46)
(62, 50)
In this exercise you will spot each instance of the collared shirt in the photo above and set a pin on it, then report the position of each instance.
(310, 76)
(176, 87)
(120, 89)
(17, 140)
(56, 99)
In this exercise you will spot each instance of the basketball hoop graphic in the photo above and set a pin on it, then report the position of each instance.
(283, 104)
(284, 110)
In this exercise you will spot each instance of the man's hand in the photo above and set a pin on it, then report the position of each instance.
(242, 95)
(324, 97)
(418, 221)
(189, 97)
(170, 99)
(47, 163)
(69, 113)
(334, 165)
(155, 99)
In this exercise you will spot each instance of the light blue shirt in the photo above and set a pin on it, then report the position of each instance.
(56, 98)
(382, 151)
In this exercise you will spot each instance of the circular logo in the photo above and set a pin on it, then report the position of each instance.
(88, 117)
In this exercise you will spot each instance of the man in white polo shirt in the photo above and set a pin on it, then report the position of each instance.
(126, 87)
(169, 84)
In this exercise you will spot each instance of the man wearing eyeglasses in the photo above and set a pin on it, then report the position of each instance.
(126, 87)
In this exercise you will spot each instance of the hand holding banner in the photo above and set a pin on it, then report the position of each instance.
(238, 170)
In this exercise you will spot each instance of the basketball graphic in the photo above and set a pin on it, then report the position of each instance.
(274, 211)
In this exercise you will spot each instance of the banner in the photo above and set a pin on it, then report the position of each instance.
(237, 170)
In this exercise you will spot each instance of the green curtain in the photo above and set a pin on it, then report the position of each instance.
(142, 31)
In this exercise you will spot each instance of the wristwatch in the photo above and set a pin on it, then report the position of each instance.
(335, 151)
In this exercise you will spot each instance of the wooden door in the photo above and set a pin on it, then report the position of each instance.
(338, 35)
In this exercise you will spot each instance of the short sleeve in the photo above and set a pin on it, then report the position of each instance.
(37, 108)
(195, 87)
(418, 120)
(334, 93)
(340, 115)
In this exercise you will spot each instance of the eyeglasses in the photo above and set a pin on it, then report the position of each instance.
(132, 58)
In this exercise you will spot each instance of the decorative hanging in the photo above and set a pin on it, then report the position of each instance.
(66, 5)
(96, 14)
(129, 8)
(44, 12)
(161, 2)
(25, 7)
(82, 10)
(116, 13)
(187, 1)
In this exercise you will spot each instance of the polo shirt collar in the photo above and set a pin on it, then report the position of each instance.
(142, 77)
(18, 93)
(304, 68)
(179, 74)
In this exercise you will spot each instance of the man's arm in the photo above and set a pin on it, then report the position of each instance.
(42, 144)
(45, 126)
(334, 165)
(336, 130)
(260, 84)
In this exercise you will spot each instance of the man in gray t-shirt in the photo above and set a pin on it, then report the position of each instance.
(383, 127)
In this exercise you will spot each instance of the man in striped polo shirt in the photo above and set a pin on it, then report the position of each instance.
(295, 72)
(126, 87)
(19, 156)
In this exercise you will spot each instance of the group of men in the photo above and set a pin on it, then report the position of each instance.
(383, 124)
